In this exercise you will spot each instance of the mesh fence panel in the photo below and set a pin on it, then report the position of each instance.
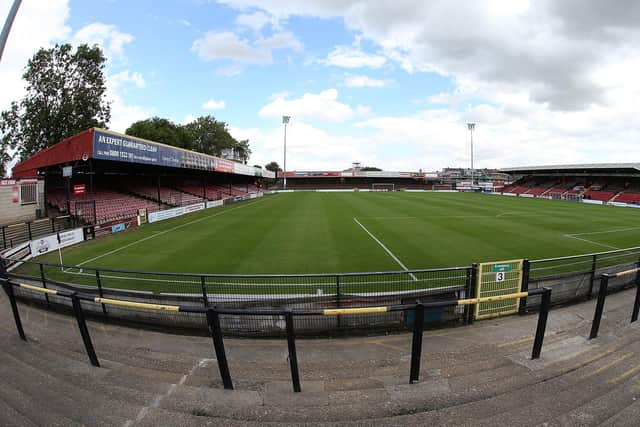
(578, 277)
(570, 278)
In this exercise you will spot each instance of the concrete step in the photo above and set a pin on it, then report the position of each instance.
(30, 407)
(80, 404)
(627, 417)
(10, 417)
(161, 417)
(608, 405)
(80, 375)
(570, 397)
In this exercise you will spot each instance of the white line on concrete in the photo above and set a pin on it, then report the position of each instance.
(395, 258)
(571, 236)
(168, 231)
(155, 403)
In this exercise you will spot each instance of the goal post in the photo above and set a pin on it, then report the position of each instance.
(383, 186)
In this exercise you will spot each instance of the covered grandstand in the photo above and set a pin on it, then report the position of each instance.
(605, 183)
(100, 177)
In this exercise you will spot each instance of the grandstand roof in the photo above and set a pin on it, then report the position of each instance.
(593, 168)
(101, 144)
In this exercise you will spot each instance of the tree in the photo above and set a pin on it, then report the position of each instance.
(162, 130)
(204, 135)
(65, 94)
(272, 166)
(4, 159)
(370, 169)
(210, 136)
(242, 150)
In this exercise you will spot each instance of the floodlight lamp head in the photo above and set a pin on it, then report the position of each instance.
(285, 119)
(471, 126)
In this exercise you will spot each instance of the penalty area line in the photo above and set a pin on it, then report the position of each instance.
(395, 258)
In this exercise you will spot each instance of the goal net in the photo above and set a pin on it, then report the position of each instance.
(383, 187)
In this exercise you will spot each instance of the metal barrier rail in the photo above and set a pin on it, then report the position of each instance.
(213, 322)
(602, 295)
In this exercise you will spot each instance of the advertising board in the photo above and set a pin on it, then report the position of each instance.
(224, 165)
(162, 215)
(214, 204)
(62, 239)
(193, 208)
(117, 228)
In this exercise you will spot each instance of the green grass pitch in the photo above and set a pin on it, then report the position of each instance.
(310, 232)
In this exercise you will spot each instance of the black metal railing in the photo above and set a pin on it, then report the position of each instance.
(602, 295)
(216, 330)
(300, 292)
(572, 278)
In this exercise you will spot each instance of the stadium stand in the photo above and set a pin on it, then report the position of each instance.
(628, 197)
(168, 195)
(109, 205)
(603, 196)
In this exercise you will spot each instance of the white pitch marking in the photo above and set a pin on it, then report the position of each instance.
(391, 217)
(395, 258)
(571, 236)
(604, 232)
(168, 231)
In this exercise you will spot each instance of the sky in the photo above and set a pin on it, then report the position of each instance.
(386, 84)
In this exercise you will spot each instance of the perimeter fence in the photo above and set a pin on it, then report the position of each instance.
(14, 234)
(572, 278)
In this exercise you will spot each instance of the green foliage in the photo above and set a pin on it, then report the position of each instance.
(370, 169)
(161, 130)
(65, 94)
(272, 166)
(204, 135)
(4, 159)
(209, 135)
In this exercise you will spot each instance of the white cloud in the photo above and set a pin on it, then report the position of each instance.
(127, 76)
(108, 37)
(353, 57)
(188, 119)
(281, 40)
(124, 114)
(41, 24)
(254, 21)
(185, 22)
(228, 45)
(363, 81)
(37, 24)
(229, 70)
(548, 82)
(308, 147)
(212, 104)
(323, 106)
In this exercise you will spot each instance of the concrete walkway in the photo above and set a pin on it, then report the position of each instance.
(476, 375)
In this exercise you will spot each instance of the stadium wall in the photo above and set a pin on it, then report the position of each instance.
(15, 207)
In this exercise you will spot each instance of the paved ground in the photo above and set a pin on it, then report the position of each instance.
(476, 375)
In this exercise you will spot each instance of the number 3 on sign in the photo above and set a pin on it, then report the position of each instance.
(500, 276)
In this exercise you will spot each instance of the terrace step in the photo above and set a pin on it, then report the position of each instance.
(84, 405)
(10, 417)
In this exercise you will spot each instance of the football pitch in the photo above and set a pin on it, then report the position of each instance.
(309, 232)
